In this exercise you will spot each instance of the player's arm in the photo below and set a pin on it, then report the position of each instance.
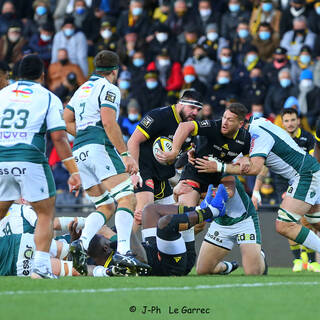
(70, 120)
(316, 152)
(256, 197)
(229, 183)
(134, 142)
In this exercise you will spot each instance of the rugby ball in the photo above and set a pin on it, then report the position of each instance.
(163, 144)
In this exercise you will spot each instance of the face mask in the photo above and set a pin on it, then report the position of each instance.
(138, 62)
(234, 7)
(306, 83)
(137, 11)
(251, 57)
(225, 59)
(318, 10)
(163, 62)
(162, 37)
(285, 83)
(133, 116)
(13, 37)
(63, 61)
(301, 31)
(204, 13)
(243, 33)
(151, 84)
(45, 37)
(68, 32)
(280, 60)
(267, 7)
(257, 114)
(124, 84)
(80, 10)
(264, 35)
(305, 59)
(106, 34)
(189, 78)
(8, 15)
(212, 36)
(223, 80)
(40, 11)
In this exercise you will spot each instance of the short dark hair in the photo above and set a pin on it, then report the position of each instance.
(192, 94)
(106, 59)
(289, 111)
(31, 67)
(239, 109)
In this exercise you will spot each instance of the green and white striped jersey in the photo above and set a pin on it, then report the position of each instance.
(27, 112)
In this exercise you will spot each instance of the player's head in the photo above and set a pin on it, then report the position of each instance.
(290, 119)
(99, 249)
(189, 105)
(31, 67)
(107, 64)
(233, 119)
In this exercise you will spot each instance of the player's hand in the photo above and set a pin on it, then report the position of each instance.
(191, 156)
(138, 217)
(168, 156)
(256, 199)
(206, 166)
(74, 183)
(136, 180)
(130, 164)
(74, 234)
(245, 164)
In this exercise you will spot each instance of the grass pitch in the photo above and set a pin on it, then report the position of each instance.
(280, 295)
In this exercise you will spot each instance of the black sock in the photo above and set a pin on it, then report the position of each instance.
(312, 256)
(295, 249)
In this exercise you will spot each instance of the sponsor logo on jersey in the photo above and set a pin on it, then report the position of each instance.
(177, 259)
(246, 237)
(290, 189)
(225, 146)
(147, 121)
(87, 88)
(25, 93)
(214, 237)
(110, 96)
(205, 123)
(252, 143)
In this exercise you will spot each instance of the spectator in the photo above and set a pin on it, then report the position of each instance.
(313, 110)
(191, 80)
(11, 45)
(294, 39)
(125, 88)
(279, 61)
(205, 15)
(256, 110)
(4, 74)
(135, 18)
(130, 122)
(186, 41)
(232, 18)
(41, 43)
(313, 18)
(67, 88)
(205, 113)
(266, 12)
(278, 93)
(305, 86)
(59, 70)
(7, 17)
(303, 62)
(137, 66)
(74, 41)
(266, 42)
(107, 39)
(161, 13)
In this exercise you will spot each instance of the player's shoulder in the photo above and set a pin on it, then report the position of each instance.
(307, 134)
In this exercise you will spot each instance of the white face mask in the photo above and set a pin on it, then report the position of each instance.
(13, 37)
(133, 116)
(204, 13)
(106, 34)
(306, 83)
(162, 37)
(45, 37)
(212, 36)
(164, 62)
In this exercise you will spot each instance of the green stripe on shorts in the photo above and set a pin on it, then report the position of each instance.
(50, 180)
(303, 187)
(116, 160)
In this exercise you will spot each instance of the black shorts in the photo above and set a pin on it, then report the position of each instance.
(160, 189)
(164, 264)
(204, 179)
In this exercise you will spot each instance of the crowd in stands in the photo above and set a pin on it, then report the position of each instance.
(263, 53)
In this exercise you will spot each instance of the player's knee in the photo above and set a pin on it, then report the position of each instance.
(252, 270)
(283, 227)
(165, 222)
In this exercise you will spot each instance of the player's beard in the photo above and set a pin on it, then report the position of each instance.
(184, 118)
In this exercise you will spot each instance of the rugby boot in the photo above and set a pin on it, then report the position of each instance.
(79, 256)
(297, 265)
(305, 260)
(314, 267)
(39, 274)
(231, 266)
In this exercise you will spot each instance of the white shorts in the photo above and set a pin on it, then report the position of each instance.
(31, 181)
(96, 163)
(245, 231)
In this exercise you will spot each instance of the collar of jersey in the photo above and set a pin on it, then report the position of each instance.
(26, 82)
(176, 114)
(95, 76)
(298, 133)
(235, 135)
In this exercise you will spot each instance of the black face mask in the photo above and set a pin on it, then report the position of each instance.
(63, 61)
(8, 15)
(280, 60)
(301, 31)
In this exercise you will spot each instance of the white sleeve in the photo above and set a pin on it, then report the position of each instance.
(261, 142)
(30, 215)
(110, 98)
(54, 117)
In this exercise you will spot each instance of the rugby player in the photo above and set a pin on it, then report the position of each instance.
(272, 146)
(102, 156)
(27, 112)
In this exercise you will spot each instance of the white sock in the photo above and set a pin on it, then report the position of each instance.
(93, 224)
(42, 261)
(229, 267)
(123, 222)
(312, 241)
(148, 232)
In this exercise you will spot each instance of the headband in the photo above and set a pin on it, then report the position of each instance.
(107, 68)
(191, 103)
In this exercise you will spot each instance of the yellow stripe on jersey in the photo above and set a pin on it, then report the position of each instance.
(176, 115)
(143, 132)
(195, 130)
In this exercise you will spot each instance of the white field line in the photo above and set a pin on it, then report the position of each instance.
(185, 288)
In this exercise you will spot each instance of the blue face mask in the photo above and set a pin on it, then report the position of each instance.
(138, 62)
(123, 84)
(285, 83)
(40, 11)
(251, 57)
(152, 84)
(267, 7)
(243, 33)
(80, 10)
(223, 80)
(318, 10)
(137, 11)
(225, 59)
(68, 32)
(257, 114)
(189, 78)
(305, 59)
(133, 116)
(264, 35)
(234, 7)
